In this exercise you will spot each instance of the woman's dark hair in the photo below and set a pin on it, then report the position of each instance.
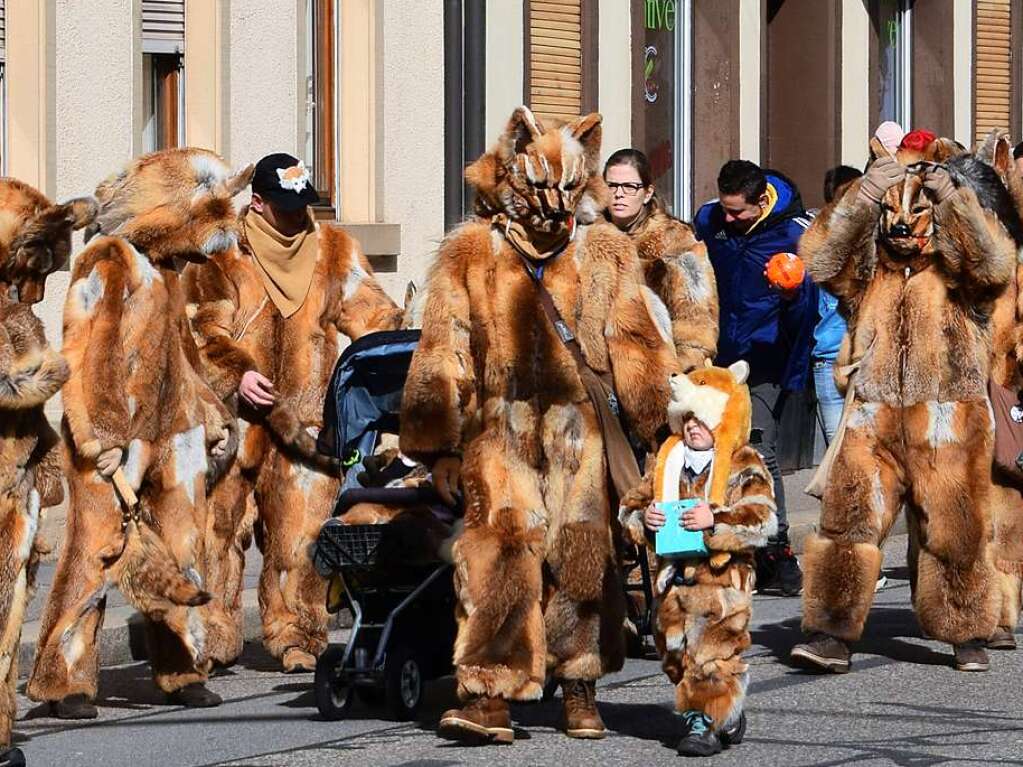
(636, 159)
(966, 170)
(838, 177)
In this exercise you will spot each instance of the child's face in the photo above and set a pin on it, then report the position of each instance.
(696, 435)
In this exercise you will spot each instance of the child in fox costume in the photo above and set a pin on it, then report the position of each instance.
(704, 604)
(495, 402)
(252, 322)
(684, 294)
(917, 267)
(136, 411)
(35, 239)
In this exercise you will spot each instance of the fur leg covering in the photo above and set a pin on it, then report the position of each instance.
(176, 646)
(1009, 592)
(838, 586)
(500, 650)
(956, 602)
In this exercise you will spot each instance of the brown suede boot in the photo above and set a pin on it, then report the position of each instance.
(582, 720)
(822, 652)
(1002, 639)
(970, 656)
(479, 722)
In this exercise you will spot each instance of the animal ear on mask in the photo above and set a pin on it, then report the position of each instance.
(879, 150)
(522, 130)
(1001, 159)
(232, 186)
(942, 149)
(740, 370)
(587, 131)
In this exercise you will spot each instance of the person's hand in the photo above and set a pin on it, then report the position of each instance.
(884, 173)
(256, 389)
(109, 461)
(653, 518)
(447, 478)
(939, 182)
(786, 294)
(699, 517)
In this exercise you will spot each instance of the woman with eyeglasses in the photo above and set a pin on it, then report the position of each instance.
(675, 264)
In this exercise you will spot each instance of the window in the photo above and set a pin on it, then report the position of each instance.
(163, 47)
(662, 96)
(465, 35)
(560, 62)
(320, 135)
(993, 66)
(892, 20)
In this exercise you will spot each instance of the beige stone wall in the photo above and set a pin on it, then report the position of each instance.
(614, 61)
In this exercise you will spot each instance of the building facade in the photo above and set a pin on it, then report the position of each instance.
(387, 100)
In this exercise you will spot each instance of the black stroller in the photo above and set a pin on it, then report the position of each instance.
(400, 594)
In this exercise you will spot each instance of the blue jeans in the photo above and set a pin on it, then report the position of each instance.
(829, 401)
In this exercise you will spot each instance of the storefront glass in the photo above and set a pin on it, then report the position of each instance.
(893, 61)
(661, 95)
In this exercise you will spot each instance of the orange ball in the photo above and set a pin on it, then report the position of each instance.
(785, 271)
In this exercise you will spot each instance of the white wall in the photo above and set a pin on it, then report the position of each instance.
(962, 71)
(614, 65)
(856, 130)
(749, 80)
(504, 64)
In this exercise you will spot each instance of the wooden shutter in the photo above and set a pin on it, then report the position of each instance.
(3, 31)
(163, 26)
(555, 58)
(993, 64)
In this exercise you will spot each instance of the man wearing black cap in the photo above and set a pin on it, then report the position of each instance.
(266, 317)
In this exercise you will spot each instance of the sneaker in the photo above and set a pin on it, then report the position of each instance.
(698, 739)
(732, 736)
(194, 695)
(479, 722)
(582, 719)
(12, 757)
(970, 656)
(74, 707)
(298, 661)
(1002, 639)
(822, 652)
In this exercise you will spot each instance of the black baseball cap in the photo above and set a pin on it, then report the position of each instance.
(284, 181)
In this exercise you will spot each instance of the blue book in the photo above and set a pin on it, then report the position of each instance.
(673, 540)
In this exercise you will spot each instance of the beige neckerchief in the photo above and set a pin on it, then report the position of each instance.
(286, 264)
(518, 238)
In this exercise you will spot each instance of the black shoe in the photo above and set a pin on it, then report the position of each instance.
(970, 656)
(12, 758)
(822, 652)
(778, 570)
(74, 707)
(194, 695)
(732, 736)
(698, 739)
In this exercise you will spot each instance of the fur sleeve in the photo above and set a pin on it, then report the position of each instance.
(838, 248)
(641, 361)
(48, 458)
(359, 304)
(95, 400)
(214, 308)
(749, 518)
(31, 371)
(692, 297)
(440, 392)
(976, 250)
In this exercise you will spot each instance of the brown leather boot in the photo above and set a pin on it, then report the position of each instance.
(582, 720)
(822, 652)
(1002, 639)
(479, 722)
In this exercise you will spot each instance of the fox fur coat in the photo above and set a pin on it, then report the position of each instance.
(35, 238)
(134, 394)
(278, 484)
(678, 271)
(919, 430)
(492, 384)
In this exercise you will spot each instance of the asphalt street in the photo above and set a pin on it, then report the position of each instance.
(903, 704)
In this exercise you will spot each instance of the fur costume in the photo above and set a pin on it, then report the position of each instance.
(279, 483)
(919, 430)
(133, 387)
(493, 384)
(35, 238)
(1007, 348)
(678, 271)
(704, 605)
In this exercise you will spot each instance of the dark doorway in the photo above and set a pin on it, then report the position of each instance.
(803, 92)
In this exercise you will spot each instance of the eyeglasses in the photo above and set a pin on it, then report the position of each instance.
(629, 189)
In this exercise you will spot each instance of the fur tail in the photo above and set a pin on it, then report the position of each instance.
(288, 429)
(32, 379)
(150, 578)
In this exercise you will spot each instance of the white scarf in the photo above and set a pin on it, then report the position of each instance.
(697, 461)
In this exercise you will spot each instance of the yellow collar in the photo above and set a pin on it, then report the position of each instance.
(772, 200)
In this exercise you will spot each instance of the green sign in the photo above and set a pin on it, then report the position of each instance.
(660, 14)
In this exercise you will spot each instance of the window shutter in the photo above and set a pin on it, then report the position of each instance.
(163, 26)
(555, 58)
(3, 32)
(993, 57)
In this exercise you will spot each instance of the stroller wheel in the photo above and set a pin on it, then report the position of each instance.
(403, 683)
(333, 695)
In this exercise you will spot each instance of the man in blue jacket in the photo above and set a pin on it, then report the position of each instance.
(758, 214)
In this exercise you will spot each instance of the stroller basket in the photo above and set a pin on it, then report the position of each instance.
(340, 546)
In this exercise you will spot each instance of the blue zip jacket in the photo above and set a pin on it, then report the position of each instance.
(773, 334)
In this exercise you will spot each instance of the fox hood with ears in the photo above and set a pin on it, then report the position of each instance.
(176, 202)
(542, 177)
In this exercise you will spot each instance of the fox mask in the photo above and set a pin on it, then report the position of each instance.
(542, 178)
(173, 203)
